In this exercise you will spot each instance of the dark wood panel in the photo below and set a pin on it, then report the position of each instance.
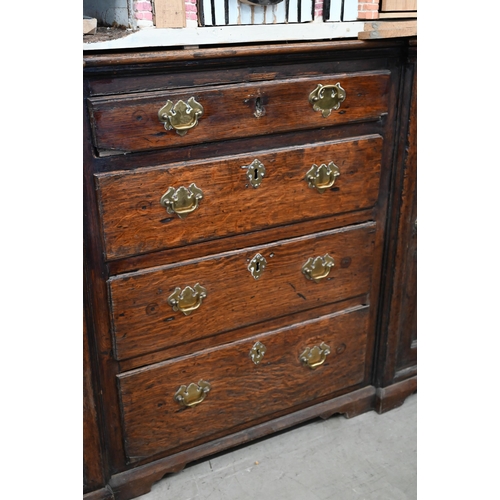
(167, 76)
(407, 348)
(241, 391)
(130, 123)
(393, 396)
(143, 320)
(290, 49)
(397, 356)
(134, 221)
(93, 475)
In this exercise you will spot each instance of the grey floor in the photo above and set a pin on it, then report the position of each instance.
(369, 457)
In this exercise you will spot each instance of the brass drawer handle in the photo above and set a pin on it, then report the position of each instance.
(187, 300)
(315, 356)
(180, 116)
(318, 268)
(193, 394)
(322, 177)
(327, 98)
(182, 201)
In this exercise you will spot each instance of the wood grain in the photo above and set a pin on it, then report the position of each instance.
(134, 222)
(398, 328)
(388, 33)
(393, 396)
(93, 474)
(127, 342)
(143, 321)
(397, 5)
(310, 48)
(130, 123)
(241, 391)
(138, 480)
(170, 13)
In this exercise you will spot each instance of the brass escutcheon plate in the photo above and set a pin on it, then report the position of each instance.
(318, 268)
(182, 201)
(180, 116)
(187, 300)
(255, 173)
(327, 98)
(257, 266)
(315, 356)
(257, 352)
(323, 177)
(193, 394)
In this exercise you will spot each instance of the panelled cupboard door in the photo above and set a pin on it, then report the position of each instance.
(397, 371)
(407, 313)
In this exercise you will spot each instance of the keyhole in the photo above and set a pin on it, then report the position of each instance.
(259, 108)
(255, 174)
(257, 266)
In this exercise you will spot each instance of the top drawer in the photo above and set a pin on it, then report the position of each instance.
(192, 116)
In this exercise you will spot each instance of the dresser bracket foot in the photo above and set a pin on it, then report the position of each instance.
(388, 398)
(352, 405)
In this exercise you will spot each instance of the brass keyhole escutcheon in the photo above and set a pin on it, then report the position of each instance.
(257, 266)
(257, 352)
(255, 173)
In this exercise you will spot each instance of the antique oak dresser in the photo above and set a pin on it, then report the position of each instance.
(249, 256)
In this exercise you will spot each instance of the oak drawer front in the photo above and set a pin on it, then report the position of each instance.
(163, 307)
(239, 390)
(238, 194)
(131, 123)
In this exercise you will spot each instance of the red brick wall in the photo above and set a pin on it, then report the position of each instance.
(191, 11)
(368, 9)
(318, 9)
(143, 12)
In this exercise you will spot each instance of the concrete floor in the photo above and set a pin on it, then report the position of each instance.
(369, 457)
